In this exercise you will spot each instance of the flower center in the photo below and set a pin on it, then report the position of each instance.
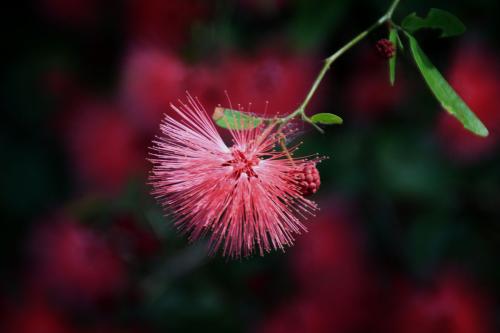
(242, 164)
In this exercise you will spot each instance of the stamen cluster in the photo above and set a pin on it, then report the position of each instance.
(244, 197)
(307, 178)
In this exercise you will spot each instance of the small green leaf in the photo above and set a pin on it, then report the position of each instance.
(393, 37)
(448, 98)
(232, 119)
(448, 23)
(326, 119)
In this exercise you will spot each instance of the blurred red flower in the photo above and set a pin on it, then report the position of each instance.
(330, 254)
(165, 22)
(329, 264)
(335, 285)
(269, 76)
(369, 92)
(33, 315)
(75, 262)
(475, 75)
(103, 145)
(451, 305)
(206, 82)
(151, 80)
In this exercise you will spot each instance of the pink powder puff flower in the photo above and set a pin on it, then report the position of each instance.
(245, 195)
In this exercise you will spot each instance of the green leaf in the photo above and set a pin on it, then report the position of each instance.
(445, 94)
(232, 119)
(393, 37)
(448, 23)
(400, 43)
(326, 119)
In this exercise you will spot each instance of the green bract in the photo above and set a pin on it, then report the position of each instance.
(232, 119)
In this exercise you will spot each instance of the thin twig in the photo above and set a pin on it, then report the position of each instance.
(329, 61)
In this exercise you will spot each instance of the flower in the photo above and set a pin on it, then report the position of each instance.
(103, 167)
(33, 314)
(274, 77)
(385, 48)
(308, 178)
(332, 246)
(452, 305)
(151, 79)
(165, 23)
(245, 195)
(331, 269)
(75, 262)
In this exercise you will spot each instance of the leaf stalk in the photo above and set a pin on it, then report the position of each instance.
(300, 111)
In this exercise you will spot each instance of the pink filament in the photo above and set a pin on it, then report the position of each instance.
(244, 196)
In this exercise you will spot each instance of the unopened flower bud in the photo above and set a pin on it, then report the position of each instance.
(385, 48)
(307, 179)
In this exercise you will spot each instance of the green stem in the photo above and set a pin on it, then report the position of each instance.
(330, 60)
(392, 8)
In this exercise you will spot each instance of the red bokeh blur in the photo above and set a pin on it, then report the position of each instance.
(451, 304)
(335, 284)
(271, 76)
(104, 147)
(153, 79)
(75, 263)
(165, 22)
(298, 315)
(475, 75)
(34, 314)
